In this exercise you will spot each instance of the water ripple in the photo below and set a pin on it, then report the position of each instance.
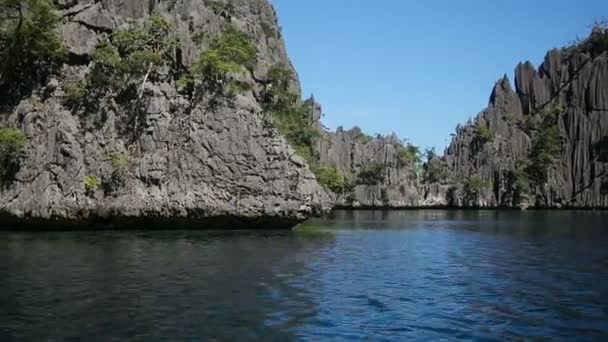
(488, 276)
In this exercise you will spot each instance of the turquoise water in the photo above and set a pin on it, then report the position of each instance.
(362, 275)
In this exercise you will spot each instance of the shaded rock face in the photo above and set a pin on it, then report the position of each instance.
(351, 152)
(188, 162)
(573, 83)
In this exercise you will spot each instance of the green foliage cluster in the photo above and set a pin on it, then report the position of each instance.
(363, 138)
(475, 185)
(597, 43)
(483, 134)
(546, 144)
(119, 160)
(546, 147)
(31, 47)
(433, 168)
(520, 180)
(231, 53)
(269, 30)
(12, 142)
(434, 171)
(509, 118)
(91, 184)
(120, 163)
(409, 154)
(278, 95)
(124, 60)
(330, 178)
(293, 119)
(372, 175)
(221, 8)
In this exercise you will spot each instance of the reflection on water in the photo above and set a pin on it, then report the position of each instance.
(358, 274)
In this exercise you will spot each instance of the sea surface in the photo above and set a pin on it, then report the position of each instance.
(358, 275)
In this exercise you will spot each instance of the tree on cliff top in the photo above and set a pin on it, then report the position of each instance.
(30, 46)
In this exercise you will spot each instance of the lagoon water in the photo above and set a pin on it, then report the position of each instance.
(358, 275)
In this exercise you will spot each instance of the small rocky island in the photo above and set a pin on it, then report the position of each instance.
(189, 113)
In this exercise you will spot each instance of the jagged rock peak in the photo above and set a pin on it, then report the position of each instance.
(542, 144)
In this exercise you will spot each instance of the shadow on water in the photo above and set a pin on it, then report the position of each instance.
(179, 285)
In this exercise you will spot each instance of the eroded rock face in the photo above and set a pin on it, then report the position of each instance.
(573, 80)
(188, 163)
(480, 168)
(352, 152)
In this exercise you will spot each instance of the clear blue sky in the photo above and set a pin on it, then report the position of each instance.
(418, 68)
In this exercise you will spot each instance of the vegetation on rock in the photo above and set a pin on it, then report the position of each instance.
(475, 185)
(31, 47)
(221, 8)
(91, 184)
(596, 43)
(433, 168)
(373, 174)
(120, 164)
(520, 182)
(409, 154)
(293, 119)
(546, 145)
(363, 138)
(12, 142)
(330, 178)
(124, 62)
(483, 134)
(231, 53)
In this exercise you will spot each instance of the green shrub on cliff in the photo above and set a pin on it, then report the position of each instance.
(221, 8)
(120, 164)
(433, 170)
(278, 94)
(484, 134)
(294, 119)
(520, 181)
(91, 184)
(287, 113)
(124, 62)
(475, 185)
(547, 145)
(597, 42)
(409, 154)
(230, 53)
(12, 142)
(31, 47)
(330, 178)
(362, 137)
(372, 175)
(546, 148)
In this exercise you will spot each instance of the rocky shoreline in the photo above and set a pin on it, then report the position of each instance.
(189, 113)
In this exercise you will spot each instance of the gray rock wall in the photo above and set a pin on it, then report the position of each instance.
(351, 153)
(572, 79)
(187, 162)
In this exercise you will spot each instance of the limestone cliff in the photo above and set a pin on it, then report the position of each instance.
(542, 144)
(375, 170)
(206, 163)
(188, 112)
